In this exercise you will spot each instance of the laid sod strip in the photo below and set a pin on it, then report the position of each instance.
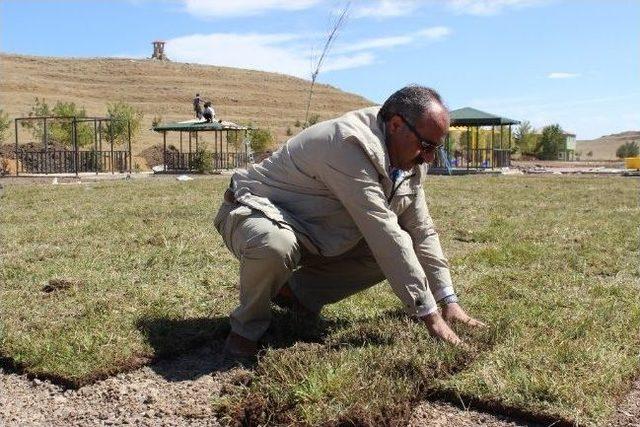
(370, 371)
(149, 275)
(95, 278)
(550, 263)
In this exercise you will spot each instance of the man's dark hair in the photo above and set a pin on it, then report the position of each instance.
(410, 102)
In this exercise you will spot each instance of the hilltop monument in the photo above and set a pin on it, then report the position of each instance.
(158, 50)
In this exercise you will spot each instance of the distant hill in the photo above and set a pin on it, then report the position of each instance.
(604, 148)
(166, 89)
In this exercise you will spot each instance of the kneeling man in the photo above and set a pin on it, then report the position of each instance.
(339, 208)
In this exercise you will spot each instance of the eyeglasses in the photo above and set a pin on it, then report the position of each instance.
(425, 144)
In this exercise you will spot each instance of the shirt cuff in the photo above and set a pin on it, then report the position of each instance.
(423, 311)
(438, 294)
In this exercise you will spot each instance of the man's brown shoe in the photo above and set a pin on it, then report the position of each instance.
(240, 350)
(237, 345)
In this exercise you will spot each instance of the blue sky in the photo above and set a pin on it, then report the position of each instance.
(572, 62)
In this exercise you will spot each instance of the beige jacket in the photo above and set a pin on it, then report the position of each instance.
(330, 184)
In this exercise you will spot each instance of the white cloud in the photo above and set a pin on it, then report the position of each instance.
(385, 8)
(279, 53)
(431, 34)
(345, 62)
(434, 33)
(266, 52)
(558, 75)
(285, 53)
(222, 8)
(489, 7)
(382, 42)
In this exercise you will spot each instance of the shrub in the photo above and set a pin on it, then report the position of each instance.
(289, 132)
(157, 119)
(62, 131)
(551, 140)
(202, 160)
(297, 124)
(59, 130)
(313, 119)
(628, 149)
(261, 139)
(124, 117)
(525, 138)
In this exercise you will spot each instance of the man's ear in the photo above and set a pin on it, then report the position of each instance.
(394, 124)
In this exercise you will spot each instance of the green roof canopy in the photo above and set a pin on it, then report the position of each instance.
(193, 126)
(471, 117)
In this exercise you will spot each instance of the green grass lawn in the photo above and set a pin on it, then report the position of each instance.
(551, 263)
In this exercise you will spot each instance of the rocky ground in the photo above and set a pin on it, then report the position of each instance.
(179, 392)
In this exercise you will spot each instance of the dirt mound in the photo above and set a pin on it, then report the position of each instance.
(152, 156)
(9, 150)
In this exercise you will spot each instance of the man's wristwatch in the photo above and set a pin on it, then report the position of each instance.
(449, 299)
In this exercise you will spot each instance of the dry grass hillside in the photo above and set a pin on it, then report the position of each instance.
(270, 100)
(604, 148)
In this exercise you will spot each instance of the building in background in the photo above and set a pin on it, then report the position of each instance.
(567, 149)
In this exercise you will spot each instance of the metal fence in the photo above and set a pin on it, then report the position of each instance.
(481, 158)
(47, 156)
(68, 161)
(196, 156)
(176, 161)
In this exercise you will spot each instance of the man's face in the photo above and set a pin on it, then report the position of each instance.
(403, 142)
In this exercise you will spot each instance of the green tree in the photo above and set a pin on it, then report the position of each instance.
(124, 117)
(62, 130)
(628, 149)
(202, 160)
(40, 108)
(525, 138)
(59, 130)
(5, 123)
(551, 139)
(261, 139)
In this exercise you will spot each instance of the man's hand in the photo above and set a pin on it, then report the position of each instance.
(438, 328)
(454, 313)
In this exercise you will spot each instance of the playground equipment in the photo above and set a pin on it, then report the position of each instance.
(632, 163)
